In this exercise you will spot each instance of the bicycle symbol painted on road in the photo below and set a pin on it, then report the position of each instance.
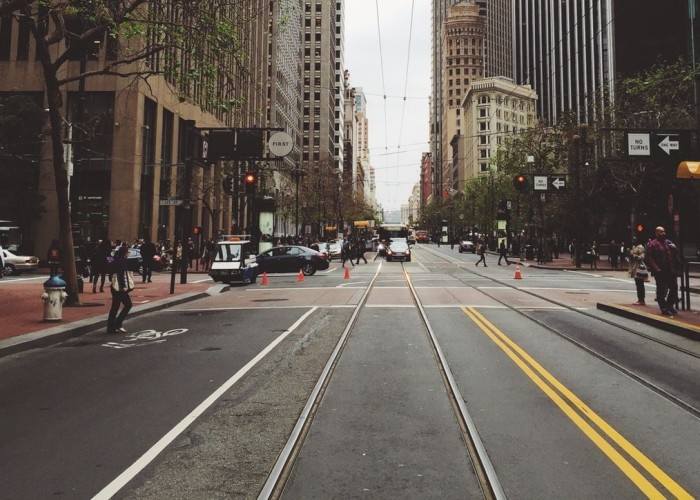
(145, 337)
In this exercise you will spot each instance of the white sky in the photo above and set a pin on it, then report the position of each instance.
(398, 130)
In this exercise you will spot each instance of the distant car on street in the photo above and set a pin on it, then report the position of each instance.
(334, 250)
(17, 264)
(467, 246)
(398, 249)
(292, 258)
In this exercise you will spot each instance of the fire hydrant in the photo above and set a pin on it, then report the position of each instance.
(54, 296)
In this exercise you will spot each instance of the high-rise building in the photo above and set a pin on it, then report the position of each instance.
(496, 58)
(323, 84)
(142, 136)
(463, 35)
(564, 51)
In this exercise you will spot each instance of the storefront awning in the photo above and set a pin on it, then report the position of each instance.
(361, 223)
(688, 170)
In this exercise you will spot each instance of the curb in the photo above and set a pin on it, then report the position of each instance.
(60, 333)
(669, 325)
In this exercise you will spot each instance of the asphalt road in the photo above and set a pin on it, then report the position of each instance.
(199, 401)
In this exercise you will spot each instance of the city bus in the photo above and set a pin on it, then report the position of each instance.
(392, 231)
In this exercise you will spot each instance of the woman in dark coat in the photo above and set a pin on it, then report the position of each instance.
(120, 292)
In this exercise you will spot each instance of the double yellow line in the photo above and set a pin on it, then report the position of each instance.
(550, 385)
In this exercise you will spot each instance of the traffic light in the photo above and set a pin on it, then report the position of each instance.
(639, 228)
(227, 183)
(249, 180)
(520, 182)
(197, 230)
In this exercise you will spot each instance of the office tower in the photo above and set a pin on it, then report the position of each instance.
(564, 50)
(323, 84)
(463, 43)
(135, 140)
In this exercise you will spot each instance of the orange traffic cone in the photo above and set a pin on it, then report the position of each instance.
(264, 279)
(347, 273)
(518, 276)
(301, 276)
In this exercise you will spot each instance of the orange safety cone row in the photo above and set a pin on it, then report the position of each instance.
(347, 273)
(301, 276)
(264, 279)
(518, 276)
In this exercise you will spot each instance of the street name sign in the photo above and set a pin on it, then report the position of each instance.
(638, 145)
(171, 202)
(540, 182)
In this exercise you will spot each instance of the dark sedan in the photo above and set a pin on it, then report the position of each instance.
(291, 259)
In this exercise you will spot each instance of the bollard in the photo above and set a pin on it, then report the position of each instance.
(54, 296)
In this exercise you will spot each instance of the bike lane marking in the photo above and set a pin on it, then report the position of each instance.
(134, 469)
(529, 366)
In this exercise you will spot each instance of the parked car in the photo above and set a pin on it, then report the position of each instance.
(234, 262)
(467, 246)
(398, 249)
(17, 264)
(291, 258)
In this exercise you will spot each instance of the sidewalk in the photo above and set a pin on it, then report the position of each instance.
(21, 307)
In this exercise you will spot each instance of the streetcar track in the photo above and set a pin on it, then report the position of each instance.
(523, 312)
(481, 464)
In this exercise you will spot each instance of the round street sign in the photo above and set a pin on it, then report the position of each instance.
(280, 144)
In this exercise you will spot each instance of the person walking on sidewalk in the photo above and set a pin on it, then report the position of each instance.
(120, 289)
(148, 251)
(481, 250)
(98, 263)
(637, 269)
(660, 255)
(502, 253)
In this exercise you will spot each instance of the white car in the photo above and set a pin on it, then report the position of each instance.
(16, 264)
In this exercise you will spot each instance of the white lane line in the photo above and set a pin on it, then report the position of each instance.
(267, 305)
(117, 484)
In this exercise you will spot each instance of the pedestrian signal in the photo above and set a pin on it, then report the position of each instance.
(520, 182)
(639, 228)
(197, 230)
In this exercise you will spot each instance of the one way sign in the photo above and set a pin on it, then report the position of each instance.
(558, 182)
(669, 143)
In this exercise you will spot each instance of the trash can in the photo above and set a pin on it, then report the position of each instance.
(54, 296)
(529, 252)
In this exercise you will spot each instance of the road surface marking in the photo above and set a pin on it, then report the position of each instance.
(528, 365)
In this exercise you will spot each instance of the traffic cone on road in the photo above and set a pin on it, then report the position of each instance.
(347, 273)
(264, 279)
(301, 276)
(518, 276)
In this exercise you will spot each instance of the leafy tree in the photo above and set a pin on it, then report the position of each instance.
(194, 46)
